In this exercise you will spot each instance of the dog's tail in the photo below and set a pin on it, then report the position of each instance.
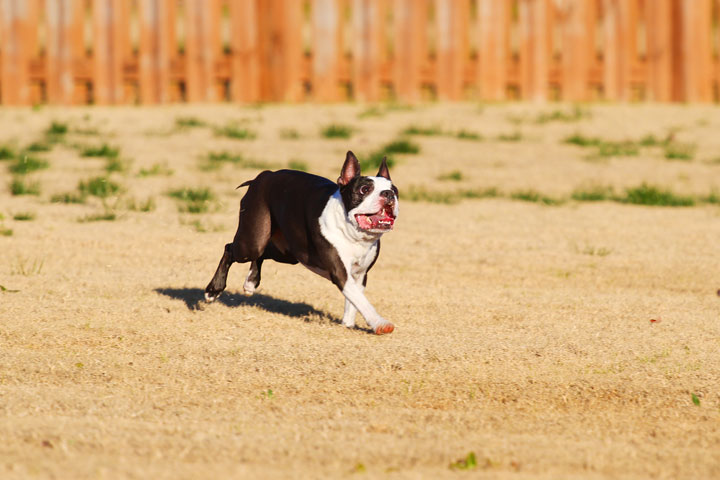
(244, 184)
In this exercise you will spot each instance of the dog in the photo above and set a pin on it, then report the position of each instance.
(333, 229)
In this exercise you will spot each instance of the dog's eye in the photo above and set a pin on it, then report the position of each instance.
(364, 189)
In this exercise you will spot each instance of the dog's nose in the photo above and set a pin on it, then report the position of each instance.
(389, 196)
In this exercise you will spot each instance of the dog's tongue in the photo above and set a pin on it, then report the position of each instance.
(381, 220)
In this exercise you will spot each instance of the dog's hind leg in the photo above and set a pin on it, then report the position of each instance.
(253, 277)
(217, 284)
(251, 238)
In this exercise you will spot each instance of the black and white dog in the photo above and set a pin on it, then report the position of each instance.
(333, 229)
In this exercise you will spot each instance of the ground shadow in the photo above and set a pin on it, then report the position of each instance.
(194, 299)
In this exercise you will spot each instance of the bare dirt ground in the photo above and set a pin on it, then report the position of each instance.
(579, 340)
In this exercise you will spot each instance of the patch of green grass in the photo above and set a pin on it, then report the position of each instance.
(374, 159)
(423, 131)
(56, 129)
(468, 135)
(455, 176)
(679, 151)
(5, 232)
(510, 137)
(575, 115)
(101, 187)
(373, 111)
(116, 165)
(24, 216)
(651, 140)
(7, 152)
(695, 399)
(70, 197)
(202, 227)
(156, 170)
(103, 150)
(27, 164)
(137, 206)
(592, 194)
(625, 148)
(491, 192)
(655, 196)
(713, 198)
(193, 200)
(289, 134)
(20, 186)
(236, 132)
(39, 146)
(402, 146)
(189, 122)
(467, 463)
(106, 216)
(337, 131)
(582, 141)
(533, 196)
(296, 164)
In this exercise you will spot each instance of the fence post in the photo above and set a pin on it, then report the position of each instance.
(367, 20)
(697, 53)
(534, 49)
(659, 50)
(620, 47)
(410, 47)
(494, 41)
(156, 39)
(326, 50)
(202, 45)
(244, 66)
(110, 19)
(452, 47)
(15, 66)
(280, 46)
(64, 48)
(577, 51)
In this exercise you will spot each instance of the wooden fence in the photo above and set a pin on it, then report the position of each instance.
(158, 51)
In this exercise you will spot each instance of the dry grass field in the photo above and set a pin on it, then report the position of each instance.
(553, 277)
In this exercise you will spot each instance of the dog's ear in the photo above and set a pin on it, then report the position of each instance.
(384, 172)
(350, 169)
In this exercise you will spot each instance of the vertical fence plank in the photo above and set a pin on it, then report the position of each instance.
(452, 47)
(280, 49)
(659, 50)
(326, 49)
(155, 17)
(367, 20)
(109, 19)
(410, 47)
(15, 63)
(620, 52)
(578, 49)
(697, 55)
(202, 46)
(64, 48)
(534, 49)
(244, 63)
(494, 41)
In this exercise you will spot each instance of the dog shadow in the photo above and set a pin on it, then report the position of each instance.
(194, 299)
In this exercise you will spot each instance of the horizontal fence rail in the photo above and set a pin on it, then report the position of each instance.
(159, 51)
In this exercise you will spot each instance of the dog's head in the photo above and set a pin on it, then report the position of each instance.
(371, 203)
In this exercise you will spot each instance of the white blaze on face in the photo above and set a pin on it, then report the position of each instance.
(372, 203)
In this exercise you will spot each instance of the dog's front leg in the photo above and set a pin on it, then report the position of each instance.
(353, 291)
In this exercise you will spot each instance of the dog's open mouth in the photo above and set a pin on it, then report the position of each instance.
(382, 220)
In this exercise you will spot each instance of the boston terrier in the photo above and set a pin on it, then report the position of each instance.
(333, 229)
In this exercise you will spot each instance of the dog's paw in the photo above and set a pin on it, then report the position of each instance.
(248, 288)
(384, 328)
(211, 298)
